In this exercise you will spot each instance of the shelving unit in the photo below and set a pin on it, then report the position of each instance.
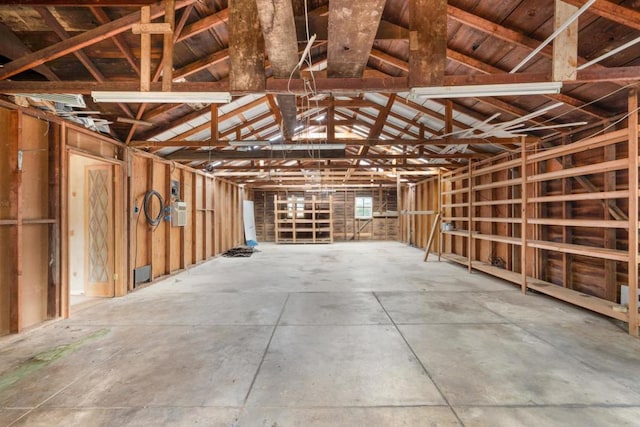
(299, 220)
(530, 211)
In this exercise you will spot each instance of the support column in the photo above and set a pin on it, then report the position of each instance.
(633, 212)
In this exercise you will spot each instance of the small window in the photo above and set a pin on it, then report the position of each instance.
(295, 204)
(364, 207)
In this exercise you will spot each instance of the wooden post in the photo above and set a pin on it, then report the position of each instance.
(441, 211)
(205, 218)
(470, 218)
(183, 232)
(167, 48)
(194, 217)
(214, 124)
(53, 290)
(276, 216)
(167, 228)
(565, 46)
(523, 227)
(633, 212)
(145, 51)
(150, 230)
(15, 201)
(64, 224)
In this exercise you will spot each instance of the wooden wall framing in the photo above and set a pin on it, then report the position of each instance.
(568, 208)
(34, 229)
(383, 226)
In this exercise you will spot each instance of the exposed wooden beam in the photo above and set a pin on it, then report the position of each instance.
(319, 25)
(427, 42)
(278, 29)
(613, 12)
(203, 63)
(209, 22)
(80, 41)
(323, 85)
(167, 45)
(511, 36)
(12, 47)
(352, 28)
(305, 154)
(484, 68)
(565, 45)
(329, 164)
(118, 40)
(246, 47)
(52, 22)
(355, 142)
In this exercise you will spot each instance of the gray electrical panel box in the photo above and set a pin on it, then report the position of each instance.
(178, 214)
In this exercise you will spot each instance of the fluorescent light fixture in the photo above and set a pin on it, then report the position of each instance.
(162, 97)
(441, 92)
(248, 143)
(286, 147)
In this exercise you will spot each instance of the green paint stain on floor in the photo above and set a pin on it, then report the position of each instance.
(45, 358)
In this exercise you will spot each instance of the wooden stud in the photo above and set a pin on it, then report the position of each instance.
(167, 229)
(150, 244)
(64, 223)
(54, 287)
(167, 46)
(214, 124)
(145, 51)
(470, 217)
(633, 212)
(15, 201)
(524, 208)
(183, 232)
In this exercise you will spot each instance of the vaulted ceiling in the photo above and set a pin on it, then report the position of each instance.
(322, 89)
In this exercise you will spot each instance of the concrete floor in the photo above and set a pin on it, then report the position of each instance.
(347, 334)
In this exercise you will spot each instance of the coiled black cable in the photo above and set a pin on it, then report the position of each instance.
(154, 222)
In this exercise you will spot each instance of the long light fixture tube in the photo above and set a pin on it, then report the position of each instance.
(162, 97)
(513, 89)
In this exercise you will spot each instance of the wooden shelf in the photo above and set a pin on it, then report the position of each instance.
(497, 238)
(462, 233)
(311, 224)
(569, 248)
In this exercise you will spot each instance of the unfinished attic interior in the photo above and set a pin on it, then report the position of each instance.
(444, 197)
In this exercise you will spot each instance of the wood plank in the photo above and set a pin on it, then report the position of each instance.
(570, 248)
(609, 166)
(427, 42)
(565, 45)
(432, 233)
(594, 223)
(246, 47)
(352, 29)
